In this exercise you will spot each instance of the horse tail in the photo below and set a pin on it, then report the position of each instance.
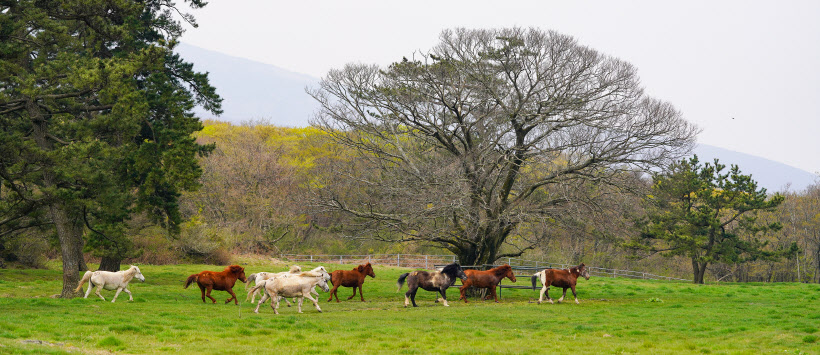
(250, 279)
(86, 277)
(191, 279)
(534, 278)
(400, 282)
(260, 284)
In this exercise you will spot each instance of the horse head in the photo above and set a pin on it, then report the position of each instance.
(367, 269)
(583, 271)
(454, 270)
(239, 272)
(323, 284)
(509, 273)
(138, 273)
(295, 269)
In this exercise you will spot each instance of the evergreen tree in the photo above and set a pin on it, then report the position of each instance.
(708, 215)
(96, 115)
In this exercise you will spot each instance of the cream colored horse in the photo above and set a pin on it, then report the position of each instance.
(110, 281)
(262, 276)
(299, 286)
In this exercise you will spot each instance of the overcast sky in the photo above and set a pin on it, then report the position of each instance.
(746, 72)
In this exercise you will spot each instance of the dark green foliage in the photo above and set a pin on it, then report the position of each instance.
(96, 115)
(709, 215)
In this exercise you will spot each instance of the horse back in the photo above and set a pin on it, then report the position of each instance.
(347, 278)
(559, 278)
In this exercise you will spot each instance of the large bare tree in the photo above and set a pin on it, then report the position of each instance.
(487, 133)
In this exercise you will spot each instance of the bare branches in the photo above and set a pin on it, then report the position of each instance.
(514, 119)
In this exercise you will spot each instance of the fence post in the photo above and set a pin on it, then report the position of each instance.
(311, 257)
(340, 259)
(425, 261)
(398, 260)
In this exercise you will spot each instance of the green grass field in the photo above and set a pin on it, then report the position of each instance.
(615, 316)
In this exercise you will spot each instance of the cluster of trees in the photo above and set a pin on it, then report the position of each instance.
(495, 143)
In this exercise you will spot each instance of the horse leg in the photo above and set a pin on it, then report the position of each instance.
(275, 299)
(130, 297)
(562, 296)
(333, 292)
(90, 286)
(443, 292)
(97, 292)
(354, 293)
(299, 300)
(233, 297)
(494, 294)
(116, 294)
(314, 300)
(463, 291)
(361, 294)
(261, 300)
(574, 294)
(208, 294)
(410, 296)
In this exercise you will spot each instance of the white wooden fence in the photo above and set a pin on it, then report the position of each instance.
(430, 261)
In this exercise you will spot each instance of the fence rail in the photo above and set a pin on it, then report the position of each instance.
(431, 261)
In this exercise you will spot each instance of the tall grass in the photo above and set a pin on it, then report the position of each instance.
(615, 316)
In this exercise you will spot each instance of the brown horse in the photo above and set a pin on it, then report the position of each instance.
(486, 279)
(350, 278)
(565, 278)
(220, 281)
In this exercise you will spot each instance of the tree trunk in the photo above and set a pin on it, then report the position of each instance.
(71, 248)
(69, 233)
(699, 269)
(110, 264)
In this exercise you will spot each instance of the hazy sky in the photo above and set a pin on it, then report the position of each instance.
(746, 72)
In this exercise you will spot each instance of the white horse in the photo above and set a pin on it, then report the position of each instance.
(294, 270)
(110, 281)
(299, 286)
(262, 276)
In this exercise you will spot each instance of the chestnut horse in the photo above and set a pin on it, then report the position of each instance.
(565, 278)
(350, 278)
(437, 281)
(486, 279)
(220, 281)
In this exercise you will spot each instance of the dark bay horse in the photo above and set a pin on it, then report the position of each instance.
(350, 278)
(220, 281)
(437, 281)
(565, 278)
(486, 279)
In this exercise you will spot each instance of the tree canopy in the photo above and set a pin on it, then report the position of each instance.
(707, 214)
(488, 131)
(96, 115)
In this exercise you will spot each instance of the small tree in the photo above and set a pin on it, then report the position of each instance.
(706, 214)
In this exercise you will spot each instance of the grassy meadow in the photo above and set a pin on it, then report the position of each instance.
(615, 316)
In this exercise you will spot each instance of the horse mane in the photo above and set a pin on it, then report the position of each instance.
(311, 273)
(450, 270)
(501, 270)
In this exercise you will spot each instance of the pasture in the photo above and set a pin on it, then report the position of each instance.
(615, 316)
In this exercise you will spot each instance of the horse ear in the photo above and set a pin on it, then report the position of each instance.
(361, 268)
